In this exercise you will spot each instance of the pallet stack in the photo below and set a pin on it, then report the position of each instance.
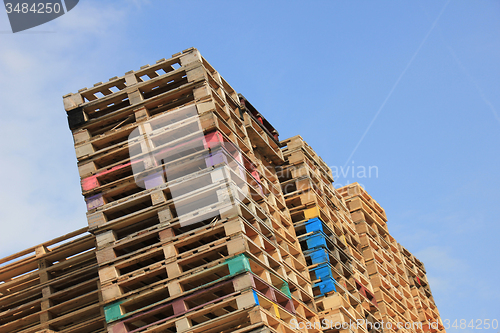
(421, 291)
(327, 234)
(191, 227)
(391, 274)
(52, 287)
(201, 220)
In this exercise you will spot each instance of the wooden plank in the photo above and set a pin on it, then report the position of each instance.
(46, 244)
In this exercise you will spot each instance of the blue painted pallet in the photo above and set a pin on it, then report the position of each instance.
(327, 283)
(317, 255)
(318, 244)
(314, 224)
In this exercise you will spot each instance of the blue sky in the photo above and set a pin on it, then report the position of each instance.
(428, 71)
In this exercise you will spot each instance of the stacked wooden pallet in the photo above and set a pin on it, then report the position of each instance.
(391, 271)
(421, 291)
(192, 230)
(327, 236)
(53, 286)
(201, 220)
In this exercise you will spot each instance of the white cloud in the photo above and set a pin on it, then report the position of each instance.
(437, 257)
(39, 189)
(139, 3)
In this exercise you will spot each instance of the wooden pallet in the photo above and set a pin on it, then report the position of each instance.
(114, 168)
(213, 274)
(262, 292)
(328, 237)
(316, 238)
(167, 104)
(192, 169)
(223, 309)
(257, 319)
(392, 288)
(358, 205)
(124, 241)
(383, 258)
(333, 241)
(308, 204)
(177, 241)
(53, 286)
(337, 308)
(383, 240)
(209, 93)
(103, 153)
(420, 290)
(302, 161)
(300, 150)
(386, 261)
(391, 262)
(164, 258)
(173, 267)
(336, 263)
(355, 190)
(265, 145)
(123, 238)
(207, 195)
(147, 84)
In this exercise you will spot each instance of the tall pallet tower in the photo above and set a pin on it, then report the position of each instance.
(201, 220)
(191, 225)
